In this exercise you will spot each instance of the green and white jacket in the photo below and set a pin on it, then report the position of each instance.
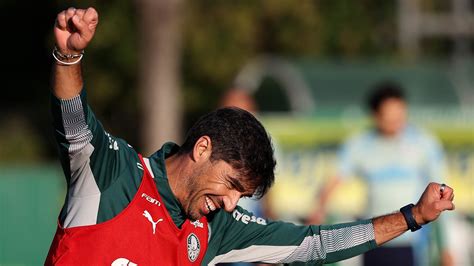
(103, 174)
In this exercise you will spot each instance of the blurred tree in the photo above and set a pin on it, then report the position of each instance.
(160, 49)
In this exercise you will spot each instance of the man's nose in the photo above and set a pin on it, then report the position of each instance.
(230, 202)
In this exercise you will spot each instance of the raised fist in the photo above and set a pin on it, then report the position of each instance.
(74, 29)
(435, 199)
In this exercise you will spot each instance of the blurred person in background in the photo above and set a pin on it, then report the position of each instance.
(240, 98)
(395, 159)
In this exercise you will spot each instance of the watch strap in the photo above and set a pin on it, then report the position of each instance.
(408, 214)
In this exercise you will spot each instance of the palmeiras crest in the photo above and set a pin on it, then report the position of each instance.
(193, 247)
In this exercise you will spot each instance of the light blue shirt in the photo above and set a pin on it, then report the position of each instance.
(396, 169)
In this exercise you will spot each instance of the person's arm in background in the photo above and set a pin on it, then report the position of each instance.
(319, 211)
(345, 168)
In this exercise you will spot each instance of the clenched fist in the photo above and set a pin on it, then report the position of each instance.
(74, 29)
(435, 199)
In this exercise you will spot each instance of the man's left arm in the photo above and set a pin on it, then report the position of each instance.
(242, 237)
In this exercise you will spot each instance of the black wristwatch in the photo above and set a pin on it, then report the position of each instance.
(408, 214)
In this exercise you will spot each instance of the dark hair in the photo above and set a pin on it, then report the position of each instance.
(383, 91)
(239, 139)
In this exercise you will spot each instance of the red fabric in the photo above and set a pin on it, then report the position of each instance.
(128, 238)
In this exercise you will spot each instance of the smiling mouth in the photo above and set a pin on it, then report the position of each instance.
(210, 205)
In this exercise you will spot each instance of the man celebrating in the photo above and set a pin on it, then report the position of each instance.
(179, 206)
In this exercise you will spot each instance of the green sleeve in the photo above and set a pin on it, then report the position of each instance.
(93, 162)
(241, 237)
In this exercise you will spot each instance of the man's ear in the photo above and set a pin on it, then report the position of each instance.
(202, 149)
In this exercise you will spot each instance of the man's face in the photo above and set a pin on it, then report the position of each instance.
(391, 117)
(213, 186)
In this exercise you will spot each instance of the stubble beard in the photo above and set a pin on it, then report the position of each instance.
(193, 210)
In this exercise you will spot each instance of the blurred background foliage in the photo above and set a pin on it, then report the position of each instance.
(218, 38)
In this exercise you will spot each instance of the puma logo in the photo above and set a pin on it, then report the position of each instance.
(153, 223)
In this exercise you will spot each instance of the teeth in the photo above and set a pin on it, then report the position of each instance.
(210, 205)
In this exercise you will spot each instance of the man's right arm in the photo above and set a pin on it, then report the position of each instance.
(93, 160)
